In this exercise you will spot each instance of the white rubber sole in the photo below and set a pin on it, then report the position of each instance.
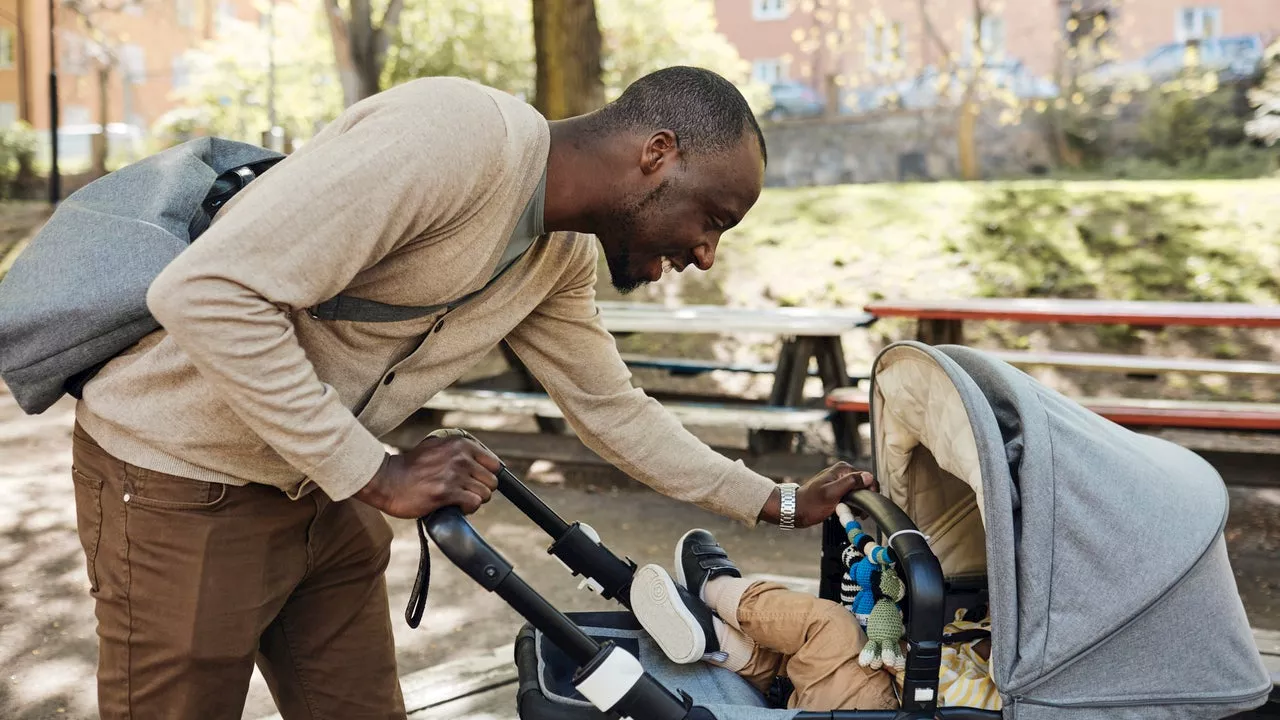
(660, 610)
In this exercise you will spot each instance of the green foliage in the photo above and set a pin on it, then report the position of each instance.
(641, 36)
(17, 152)
(1187, 118)
(489, 41)
(1265, 124)
(1048, 242)
(227, 93)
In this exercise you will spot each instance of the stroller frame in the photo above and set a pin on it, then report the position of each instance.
(614, 681)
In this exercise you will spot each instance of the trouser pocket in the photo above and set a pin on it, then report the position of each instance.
(88, 493)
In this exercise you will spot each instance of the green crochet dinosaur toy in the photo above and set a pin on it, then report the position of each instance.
(884, 626)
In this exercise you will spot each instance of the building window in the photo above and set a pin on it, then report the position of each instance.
(76, 115)
(767, 71)
(1197, 23)
(184, 12)
(770, 9)
(885, 44)
(181, 73)
(8, 114)
(226, 13)
(6, 48)
(73, 60)
(991, 41)
(133, 64)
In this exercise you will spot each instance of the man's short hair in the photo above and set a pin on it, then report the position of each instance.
(705, 111)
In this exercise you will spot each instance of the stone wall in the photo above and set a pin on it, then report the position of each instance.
(897, 146)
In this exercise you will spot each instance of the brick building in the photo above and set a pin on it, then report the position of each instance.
(866, 43)
(149, 38)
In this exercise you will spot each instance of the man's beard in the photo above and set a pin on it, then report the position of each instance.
(620, 271)
(621, 229)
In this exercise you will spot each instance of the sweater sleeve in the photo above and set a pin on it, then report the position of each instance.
(565, 345)
(390, 169)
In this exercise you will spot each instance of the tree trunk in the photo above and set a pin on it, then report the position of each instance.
(567, 46)
(360, 46)
(967, 124)
(99, 141)
(1063, 152)
(966, 136)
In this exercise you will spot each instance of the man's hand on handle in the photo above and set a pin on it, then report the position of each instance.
(817, 498)
(439, 472)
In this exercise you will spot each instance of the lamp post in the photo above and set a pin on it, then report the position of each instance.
(55, 181)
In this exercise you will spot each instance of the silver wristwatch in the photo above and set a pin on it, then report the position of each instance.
(787, 518)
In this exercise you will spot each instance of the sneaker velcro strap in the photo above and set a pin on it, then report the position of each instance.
(709, 550)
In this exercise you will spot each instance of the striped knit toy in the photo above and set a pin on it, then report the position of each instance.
(872, 590)
(865, 572)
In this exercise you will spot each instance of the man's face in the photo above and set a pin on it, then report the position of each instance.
(682, 206)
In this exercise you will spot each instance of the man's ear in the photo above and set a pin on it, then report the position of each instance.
(661, 149)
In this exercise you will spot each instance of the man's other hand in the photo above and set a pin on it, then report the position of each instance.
(439, 472)
(817, 497)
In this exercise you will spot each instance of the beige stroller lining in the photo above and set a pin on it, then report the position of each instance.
(927, 457)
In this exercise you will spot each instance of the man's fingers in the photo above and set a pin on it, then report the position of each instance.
(485, 458)
(483, 475)
(468, 501)
(479, 489)
(856, 480)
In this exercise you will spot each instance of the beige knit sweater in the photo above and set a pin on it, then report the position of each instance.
(408, 198)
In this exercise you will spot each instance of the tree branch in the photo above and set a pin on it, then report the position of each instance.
(932, 32)
(391, 18)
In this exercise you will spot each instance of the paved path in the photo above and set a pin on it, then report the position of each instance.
(47, 644)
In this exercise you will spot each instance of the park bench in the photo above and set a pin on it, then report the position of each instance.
(809, 346)
(1213, 426)
(565, 448)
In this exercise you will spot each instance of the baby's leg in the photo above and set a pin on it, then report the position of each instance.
(819, 641)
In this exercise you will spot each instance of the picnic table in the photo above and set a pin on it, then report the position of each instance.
(1254, 424)
(942, 321)
(804, 333)
(805, 337)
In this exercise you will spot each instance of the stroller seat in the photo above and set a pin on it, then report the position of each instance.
(546, 689)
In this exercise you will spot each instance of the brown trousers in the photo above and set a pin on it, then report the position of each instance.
(195, 581)
(813, 642)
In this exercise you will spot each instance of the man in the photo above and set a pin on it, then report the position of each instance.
(228, 473)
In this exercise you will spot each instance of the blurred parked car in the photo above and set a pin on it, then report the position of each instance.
(793, 100)
(1233, 58)
(933, 87)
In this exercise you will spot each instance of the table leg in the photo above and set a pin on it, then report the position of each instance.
(547, 425)
(788, 391)
(940, 332)
(834, 374)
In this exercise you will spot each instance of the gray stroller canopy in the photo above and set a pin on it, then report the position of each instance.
(1110, 590)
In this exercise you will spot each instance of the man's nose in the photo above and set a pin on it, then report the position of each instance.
(704, 256)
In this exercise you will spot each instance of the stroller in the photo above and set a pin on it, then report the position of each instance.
(1098, 552)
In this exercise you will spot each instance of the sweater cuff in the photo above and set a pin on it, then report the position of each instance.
(352, 465)
(748, 493)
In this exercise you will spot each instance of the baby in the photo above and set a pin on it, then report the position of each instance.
(762, 630)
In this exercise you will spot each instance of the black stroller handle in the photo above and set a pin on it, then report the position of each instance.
(926, 596)
(607, 675)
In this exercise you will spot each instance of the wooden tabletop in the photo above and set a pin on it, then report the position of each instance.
(1084, 311)
(643, 317)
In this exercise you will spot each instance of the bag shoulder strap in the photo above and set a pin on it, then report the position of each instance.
(346, 307)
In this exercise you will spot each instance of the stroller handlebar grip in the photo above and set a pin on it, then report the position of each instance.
(464, 547)
(926, 596)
